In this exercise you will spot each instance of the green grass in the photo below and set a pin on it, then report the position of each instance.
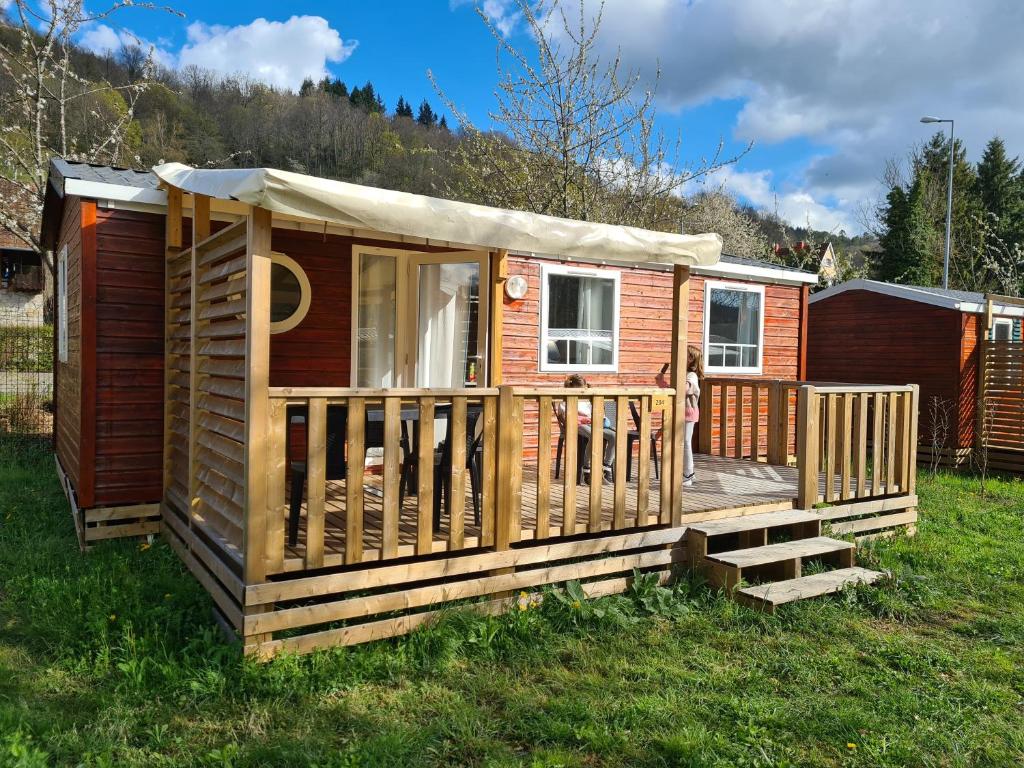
(113, 659)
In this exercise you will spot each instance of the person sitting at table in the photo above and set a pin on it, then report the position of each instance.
(584, 420)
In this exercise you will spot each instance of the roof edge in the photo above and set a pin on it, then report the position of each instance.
(913, 293)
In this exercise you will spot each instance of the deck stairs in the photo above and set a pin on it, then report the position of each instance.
(736, 550)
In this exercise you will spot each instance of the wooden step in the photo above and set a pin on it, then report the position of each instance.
(777, 561)
(768, 596)
(777, 553)
(754, 522)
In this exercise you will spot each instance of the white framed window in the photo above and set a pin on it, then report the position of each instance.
(1002, 329)
(62, 305)
(733, 327)
(579, 319)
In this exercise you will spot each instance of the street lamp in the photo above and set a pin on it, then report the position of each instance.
(949, 197)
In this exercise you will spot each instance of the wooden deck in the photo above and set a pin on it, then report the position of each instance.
(724, 487)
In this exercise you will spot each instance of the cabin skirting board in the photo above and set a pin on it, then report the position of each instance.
(105, 523)
(874, 519)
(300, 612)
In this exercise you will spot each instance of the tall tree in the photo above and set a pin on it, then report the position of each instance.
(426, 116)
(403, 108)
(578, 135)
(1001, 191)
(909, 252)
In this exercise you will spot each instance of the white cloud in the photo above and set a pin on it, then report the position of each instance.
(850, 75)
(281, 53)
(102, 39)
(501, 13)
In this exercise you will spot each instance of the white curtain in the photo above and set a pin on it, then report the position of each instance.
(377, 318)
(444, 323)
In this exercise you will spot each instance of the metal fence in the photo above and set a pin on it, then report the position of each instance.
(26, 376)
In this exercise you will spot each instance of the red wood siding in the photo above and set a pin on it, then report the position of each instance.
(67, 390)
(129, 368)
(645, 329)
(869, 338)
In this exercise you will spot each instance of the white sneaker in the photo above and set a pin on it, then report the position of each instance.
(688, 481)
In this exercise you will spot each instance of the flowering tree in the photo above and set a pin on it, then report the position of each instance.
(576, 134)
(47, 108)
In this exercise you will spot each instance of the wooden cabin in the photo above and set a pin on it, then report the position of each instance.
(314, 389)
(962, 348)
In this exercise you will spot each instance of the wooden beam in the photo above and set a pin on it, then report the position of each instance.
(680, 309)
(499, 273)
(172, 245)
(808, 443)
(200, 231)
(801, 370)
(87, 357)
(257, 365)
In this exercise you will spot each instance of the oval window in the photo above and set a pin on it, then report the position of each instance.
(289, 293)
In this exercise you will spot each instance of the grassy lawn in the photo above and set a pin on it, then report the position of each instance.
(113, 659)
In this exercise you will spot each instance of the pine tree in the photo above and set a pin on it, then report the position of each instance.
(307, 87)
(1001, 191)
(443, 125)
(403, 108)
(426, 117)
(909, 253)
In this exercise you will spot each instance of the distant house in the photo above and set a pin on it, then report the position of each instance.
(21, 278)
(821, 259)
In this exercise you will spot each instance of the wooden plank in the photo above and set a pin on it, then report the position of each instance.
(861, 525)
(257, 358)
(425, 473)
(807, 447)
(316, 481)
(516, 478)
(596, 463)
(621, 430)
(132, 512)
(277, 465)
(861, 455)
(544, 413)
(723, 421)
(643, 480)
(874, 506)
(496, 306)
(680, 314)
(363, 606)
(737, 437)
(224, 270)
(121, 530)
(755, 422)
(390, 575)
(223, 309)
(818, 584)
(890, 444)
(876, 444)
(912, 437)
(830, 447)
(775, 553)
(489, 474)
(392, 460)
(221, 290)
(458, 439)
(229, 428)
(845, 446)
(669, 445)
(354, 469)
(569, 470)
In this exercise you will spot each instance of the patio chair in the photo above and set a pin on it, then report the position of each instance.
(634, 437)
(474, 463)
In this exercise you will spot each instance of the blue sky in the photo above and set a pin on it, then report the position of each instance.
(827, 90)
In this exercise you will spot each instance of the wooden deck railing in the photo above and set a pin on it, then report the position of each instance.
(514, 435)
(836, 427)
(748, 418)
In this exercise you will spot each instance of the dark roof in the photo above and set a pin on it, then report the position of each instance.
(106, 174)
(728, 258)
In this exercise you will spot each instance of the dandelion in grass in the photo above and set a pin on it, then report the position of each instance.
(113, 617)
(851, 746)
(144, 546)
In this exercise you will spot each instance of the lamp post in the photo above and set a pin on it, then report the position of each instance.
(949, 197)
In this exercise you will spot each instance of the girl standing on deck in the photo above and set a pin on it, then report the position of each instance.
(694, 376)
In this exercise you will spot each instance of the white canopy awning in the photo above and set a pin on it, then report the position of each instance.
(401, 213)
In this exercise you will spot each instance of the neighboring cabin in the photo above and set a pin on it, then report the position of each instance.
(880, 333)
(21, 278)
